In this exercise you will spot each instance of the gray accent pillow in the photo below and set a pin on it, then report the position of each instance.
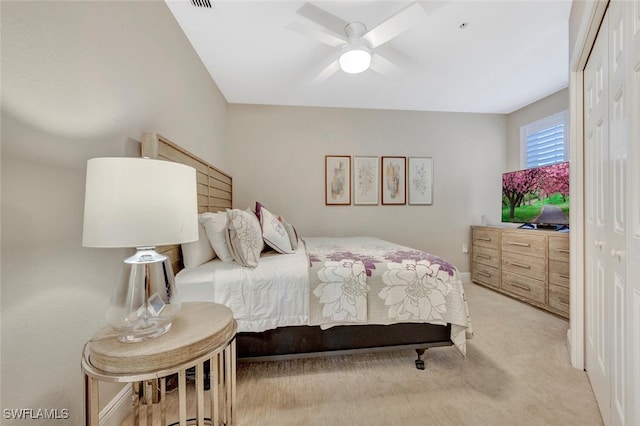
(291, 233)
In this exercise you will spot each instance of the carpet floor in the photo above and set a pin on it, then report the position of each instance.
(517, 372)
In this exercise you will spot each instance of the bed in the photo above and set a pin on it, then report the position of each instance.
(328, 295)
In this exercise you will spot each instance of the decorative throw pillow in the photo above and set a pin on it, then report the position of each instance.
(215, 226)
(291, 232)
(197, 252)
(274, 232)
(244, 237)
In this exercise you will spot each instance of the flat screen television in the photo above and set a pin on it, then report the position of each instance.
(537, 197)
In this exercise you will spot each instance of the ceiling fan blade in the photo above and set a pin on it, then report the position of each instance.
(327, 72)
(383, 66)
(323, 18)
(395, 25)
(325, 37)
(400, 60)
(431, 6)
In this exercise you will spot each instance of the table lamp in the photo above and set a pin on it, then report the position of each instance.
(141, 203)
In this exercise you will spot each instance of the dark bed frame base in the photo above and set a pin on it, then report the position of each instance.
(309, 341)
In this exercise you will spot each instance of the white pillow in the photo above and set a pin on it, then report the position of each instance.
(215, 226)
(244, 237)
(273, 232)
(197, 252)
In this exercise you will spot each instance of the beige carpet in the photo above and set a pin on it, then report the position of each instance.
(517, 372)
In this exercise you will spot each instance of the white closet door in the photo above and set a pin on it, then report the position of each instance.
(597, 218)
(612, 214)
(633, 240)
(616, 281)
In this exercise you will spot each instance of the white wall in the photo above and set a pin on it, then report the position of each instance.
(545, 107)
(276, 156)
(79, 80)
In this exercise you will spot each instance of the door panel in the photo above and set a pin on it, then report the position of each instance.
(618, 355)
(597, 217)
(618, 143)
(633, 229)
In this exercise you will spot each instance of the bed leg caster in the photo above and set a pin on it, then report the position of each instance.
(420, 361)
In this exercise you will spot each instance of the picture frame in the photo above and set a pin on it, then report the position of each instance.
(393, 173)
(337, 180)
(365, 180)
(420, 180)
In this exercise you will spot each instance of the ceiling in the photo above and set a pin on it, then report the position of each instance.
(509, 54)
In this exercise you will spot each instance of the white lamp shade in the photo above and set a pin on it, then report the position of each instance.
(138, 202)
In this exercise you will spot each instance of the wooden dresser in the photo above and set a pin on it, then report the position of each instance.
(529, 265)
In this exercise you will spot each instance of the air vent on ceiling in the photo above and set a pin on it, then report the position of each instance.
(201, 3)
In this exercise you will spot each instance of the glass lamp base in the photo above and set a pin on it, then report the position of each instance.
(143, 302)
(144, 329)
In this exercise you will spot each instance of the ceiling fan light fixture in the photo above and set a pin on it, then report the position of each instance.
(355, 59)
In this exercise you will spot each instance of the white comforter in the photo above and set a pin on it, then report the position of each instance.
(275, 294)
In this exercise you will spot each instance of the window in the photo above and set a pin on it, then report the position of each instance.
(545, 141)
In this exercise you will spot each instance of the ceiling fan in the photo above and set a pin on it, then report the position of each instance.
(357, 44)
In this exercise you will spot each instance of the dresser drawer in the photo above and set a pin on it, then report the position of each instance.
(559, 248)
(559, 273)
(529, 266)
(485, 275)
(524, 243)
(486, 256)
(559, 298)
(485, 237)
(528, 288)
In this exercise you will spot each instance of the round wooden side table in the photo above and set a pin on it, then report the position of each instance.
(201, 335)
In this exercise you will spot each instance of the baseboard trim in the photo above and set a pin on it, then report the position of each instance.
(118, 409)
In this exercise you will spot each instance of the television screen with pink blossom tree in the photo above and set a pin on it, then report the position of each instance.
(539, 195)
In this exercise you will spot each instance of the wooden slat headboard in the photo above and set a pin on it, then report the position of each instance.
(214, 186)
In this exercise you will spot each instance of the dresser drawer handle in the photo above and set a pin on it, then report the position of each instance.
(483, 238)
(521, 286)
(521, 265)
(484, 274)
(483, 256)
(515, 243)
(563, 276)
(564, 250)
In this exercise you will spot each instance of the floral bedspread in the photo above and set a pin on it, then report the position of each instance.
(372, 281)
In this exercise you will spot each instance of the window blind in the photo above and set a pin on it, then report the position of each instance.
(546, 146)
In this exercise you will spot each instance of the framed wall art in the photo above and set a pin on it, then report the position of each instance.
(394, 183)
(420, 180)
(337, 174)
(365, 180)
